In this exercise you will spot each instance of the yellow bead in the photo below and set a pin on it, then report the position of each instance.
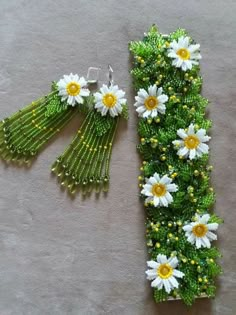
(176, 238)
(170, 234)
(196, 172)
(140, 178)
(192, 262)
(170, 224)
(200, 279)
(158, 245)
(141, 168)
(105, 147)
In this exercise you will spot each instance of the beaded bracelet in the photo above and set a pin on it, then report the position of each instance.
(175, 175)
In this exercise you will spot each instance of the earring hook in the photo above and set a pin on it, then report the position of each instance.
(93, 75)
(110, 75)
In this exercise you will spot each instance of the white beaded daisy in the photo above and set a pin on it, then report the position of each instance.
(163, 273)
(150, 103)
(199, 232)
(109, 100)
(192, 144)
(158, 190)
(184, 54)
(72, 88)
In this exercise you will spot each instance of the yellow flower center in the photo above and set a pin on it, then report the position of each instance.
(73, 88)
(158, 190)
(191, 142)
(200, 230)
(151, 102)
(183, 53)
(109, 100)
(165, 271)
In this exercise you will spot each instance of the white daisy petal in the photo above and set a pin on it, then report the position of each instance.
(152, 264)
(173, 261)
(212, 226)
(211, 236)
(181, 133)
(162, 259)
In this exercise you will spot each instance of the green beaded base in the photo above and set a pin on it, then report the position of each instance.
(164, 225)
(24, 133)
(85, 163)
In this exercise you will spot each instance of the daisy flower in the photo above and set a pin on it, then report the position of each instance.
(72, 88)
(192, 144)
(150, 103)
(163, 273)
(199, 231)
(109, 100)
(184, 54)
(158, 190)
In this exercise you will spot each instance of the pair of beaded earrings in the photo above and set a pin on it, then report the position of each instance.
(175, 175)
(85, 162)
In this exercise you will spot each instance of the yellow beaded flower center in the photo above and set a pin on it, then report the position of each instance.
(200, 230)
(164, 271)
(183, 53)
(158, 190)
(151, 102)
(191, 142)
(109, 100)
(73, 88)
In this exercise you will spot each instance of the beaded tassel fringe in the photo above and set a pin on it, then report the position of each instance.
(24, 133)
(85, 163)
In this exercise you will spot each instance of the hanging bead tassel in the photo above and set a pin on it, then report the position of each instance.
(85, 163)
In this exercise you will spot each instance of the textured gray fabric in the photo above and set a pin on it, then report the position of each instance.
(64, 256)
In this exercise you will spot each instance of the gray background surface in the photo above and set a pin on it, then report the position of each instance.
(63, 256)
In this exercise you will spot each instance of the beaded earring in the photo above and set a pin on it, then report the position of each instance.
(23, 134)
(85, 163)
